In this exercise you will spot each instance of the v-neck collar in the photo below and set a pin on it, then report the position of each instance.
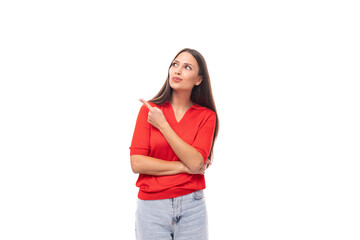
(194, 106)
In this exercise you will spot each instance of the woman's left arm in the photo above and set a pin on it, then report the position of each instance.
(187, 154)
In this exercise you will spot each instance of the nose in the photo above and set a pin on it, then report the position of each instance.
(178, 71)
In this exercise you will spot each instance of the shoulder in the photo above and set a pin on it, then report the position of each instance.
(204, 111)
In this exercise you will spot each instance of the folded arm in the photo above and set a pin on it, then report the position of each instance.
(157, 167)
(185, 152)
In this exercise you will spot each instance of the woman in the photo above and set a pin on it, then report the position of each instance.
(172, 142)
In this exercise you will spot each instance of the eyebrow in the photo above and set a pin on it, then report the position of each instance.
(185, 63)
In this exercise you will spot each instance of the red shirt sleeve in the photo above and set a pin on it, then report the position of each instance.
(204, 137)
(140, 144)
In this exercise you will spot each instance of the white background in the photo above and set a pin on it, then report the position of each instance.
(285, 77)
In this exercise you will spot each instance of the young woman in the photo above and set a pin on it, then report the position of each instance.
(173, 139)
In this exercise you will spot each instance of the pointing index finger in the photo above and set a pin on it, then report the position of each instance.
(146, 103)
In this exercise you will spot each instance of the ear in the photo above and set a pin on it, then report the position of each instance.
(198, 82)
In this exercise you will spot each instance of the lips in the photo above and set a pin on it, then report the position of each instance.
(175, 79)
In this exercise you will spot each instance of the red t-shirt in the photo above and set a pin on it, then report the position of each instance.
(196, 128)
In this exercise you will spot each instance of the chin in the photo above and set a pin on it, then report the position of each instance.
(179, 87)
(174, 86)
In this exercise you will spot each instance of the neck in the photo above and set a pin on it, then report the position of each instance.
(181, 100)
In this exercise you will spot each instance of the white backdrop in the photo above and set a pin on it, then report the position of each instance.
(285, 77)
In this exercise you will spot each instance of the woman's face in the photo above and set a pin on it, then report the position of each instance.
(183, 73)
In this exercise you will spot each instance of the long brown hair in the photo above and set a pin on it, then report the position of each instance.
(201, 94)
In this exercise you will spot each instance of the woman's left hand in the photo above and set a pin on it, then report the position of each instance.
(156, 116)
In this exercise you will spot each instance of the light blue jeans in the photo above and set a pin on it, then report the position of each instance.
(180, 218)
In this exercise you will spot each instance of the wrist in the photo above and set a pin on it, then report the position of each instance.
(164, 126)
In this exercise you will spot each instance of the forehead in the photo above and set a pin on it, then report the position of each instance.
(186, 58)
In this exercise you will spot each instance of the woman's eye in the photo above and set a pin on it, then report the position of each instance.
(175, 65)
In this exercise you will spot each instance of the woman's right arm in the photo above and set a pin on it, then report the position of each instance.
(157, 167)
